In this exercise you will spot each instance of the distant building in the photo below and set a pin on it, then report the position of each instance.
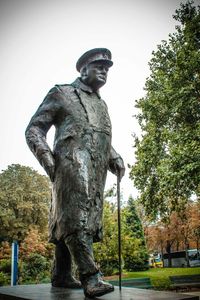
(180, 258)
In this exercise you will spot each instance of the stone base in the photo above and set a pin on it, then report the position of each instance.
(46, 292)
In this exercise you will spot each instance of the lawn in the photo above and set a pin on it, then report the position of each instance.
(160, 276)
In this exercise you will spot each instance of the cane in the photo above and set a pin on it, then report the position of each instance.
(119, 232)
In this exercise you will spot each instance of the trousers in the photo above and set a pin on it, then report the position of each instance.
(79, 248)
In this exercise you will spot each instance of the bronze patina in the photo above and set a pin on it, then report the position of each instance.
(77, 167)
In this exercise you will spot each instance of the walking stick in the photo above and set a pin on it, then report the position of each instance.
(119, 232)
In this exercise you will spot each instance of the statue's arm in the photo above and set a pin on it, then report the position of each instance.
(37, 130)
(116, 163)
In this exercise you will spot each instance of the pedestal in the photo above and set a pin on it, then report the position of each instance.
(46, 292)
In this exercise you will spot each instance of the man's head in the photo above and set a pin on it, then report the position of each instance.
(93, 66)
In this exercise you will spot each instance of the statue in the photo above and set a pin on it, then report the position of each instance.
(77, 168)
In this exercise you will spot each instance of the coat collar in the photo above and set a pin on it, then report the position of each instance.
(80, 85)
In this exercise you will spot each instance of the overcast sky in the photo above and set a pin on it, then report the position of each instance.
(40, 44)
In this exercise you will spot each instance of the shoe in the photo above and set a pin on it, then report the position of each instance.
(94, 286)
(70, 282)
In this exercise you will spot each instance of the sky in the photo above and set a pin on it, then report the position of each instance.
(42, 40)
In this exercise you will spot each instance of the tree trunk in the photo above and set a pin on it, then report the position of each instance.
(186, 250)
(162, 252)
(177, 245)
(168, 249)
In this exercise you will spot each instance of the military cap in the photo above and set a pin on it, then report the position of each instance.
(96, 54)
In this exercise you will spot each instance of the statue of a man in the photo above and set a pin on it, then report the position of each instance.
(77, 167)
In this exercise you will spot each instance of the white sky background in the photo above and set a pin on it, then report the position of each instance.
(40, 42)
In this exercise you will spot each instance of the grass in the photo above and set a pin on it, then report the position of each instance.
(160, 276)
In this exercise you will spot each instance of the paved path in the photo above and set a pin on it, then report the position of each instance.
(196, 293)
(46, 292)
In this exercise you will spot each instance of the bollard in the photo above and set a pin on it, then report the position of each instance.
(14, 264)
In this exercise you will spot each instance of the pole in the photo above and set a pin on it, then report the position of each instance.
(14, 263)
(119, 232)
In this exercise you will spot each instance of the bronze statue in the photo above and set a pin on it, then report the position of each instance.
(77, 167)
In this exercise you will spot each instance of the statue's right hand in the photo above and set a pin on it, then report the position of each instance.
(48, 164)
(51, 173)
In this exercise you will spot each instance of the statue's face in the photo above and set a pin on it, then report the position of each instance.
(95, 75)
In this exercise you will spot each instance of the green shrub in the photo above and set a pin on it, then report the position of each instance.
(138, 262)
(34, 268)
(5, 266)
(108, 267)
(4, 279)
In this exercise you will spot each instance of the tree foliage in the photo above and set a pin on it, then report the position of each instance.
(181, 232)
(167, 171)
(106, 252)
(24, 201)
(133, 221)
(134, 251)
(35, 242)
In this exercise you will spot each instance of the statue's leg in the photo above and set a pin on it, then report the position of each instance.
(61, 272)
(80, 247)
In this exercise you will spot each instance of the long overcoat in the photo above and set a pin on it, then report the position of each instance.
(82, 153)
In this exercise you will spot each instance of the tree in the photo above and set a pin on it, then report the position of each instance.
(106, 252)
(178, 232)
(167, 170)
(137, 257)
(5, 250)
(35, 242)
(194, 220)
(133, 221)
(134, 252)
(24, 201)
